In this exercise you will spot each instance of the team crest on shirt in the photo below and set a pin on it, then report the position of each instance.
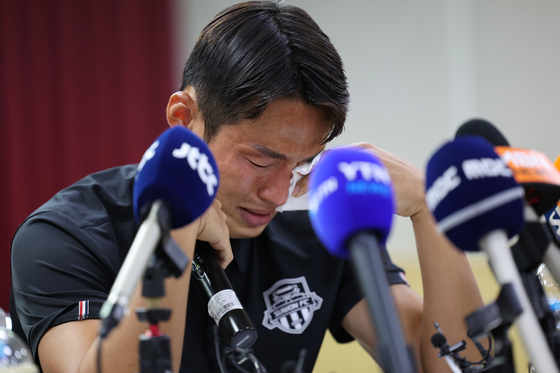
(290, 305)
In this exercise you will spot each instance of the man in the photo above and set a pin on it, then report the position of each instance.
(266, 90)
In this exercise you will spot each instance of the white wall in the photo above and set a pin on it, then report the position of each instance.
(417, 70)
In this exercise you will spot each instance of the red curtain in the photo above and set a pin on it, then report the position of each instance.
(83, 87)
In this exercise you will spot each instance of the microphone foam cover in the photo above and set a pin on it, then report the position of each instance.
(438, 340)
(179, 169)
(350, 191)
(471, 192)
(482, 128)
(531, 169)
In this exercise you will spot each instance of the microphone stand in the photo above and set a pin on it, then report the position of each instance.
(505, 270)
(395, 356)
(528, 253)
(497, 318)
(168, 259)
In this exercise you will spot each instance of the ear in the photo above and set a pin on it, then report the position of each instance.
(182, 110)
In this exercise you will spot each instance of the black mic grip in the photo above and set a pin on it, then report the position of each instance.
(223, 305)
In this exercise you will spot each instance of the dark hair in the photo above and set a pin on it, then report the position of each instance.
(255, 52)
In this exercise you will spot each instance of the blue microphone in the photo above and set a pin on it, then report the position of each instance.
(351, 205)
(179, 169)
(471, 192)
(175, 183)
(478, 205)
(350, 191)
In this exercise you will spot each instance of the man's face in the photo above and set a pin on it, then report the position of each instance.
(256, 158)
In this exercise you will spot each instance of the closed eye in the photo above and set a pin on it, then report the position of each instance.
(257, 165)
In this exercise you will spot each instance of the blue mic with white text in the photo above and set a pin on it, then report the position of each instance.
(351, 206)
(176, 182)
(471, 191)
(179, 169)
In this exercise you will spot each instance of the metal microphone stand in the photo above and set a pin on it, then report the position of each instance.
(496, 318)
(528, 254)
(395, 356)
(167, 260)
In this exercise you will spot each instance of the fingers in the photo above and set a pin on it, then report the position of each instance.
(214, 230)
(301, 186)
(408, 180)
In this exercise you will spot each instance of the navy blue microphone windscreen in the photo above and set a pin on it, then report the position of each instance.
(471, 192)
(179, 169)
(350, 191)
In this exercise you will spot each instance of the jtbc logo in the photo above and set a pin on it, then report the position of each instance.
(199, 162)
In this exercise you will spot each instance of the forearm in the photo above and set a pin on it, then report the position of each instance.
(450, 291)
(120, 349)
(72, 347)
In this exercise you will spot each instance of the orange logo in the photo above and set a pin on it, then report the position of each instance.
(529, 166)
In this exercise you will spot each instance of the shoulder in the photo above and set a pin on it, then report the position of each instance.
(90, 201)
(95, 212)
(108, 192)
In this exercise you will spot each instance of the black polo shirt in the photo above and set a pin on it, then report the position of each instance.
(67, 254)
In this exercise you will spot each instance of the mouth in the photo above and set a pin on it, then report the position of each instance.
(256, 217)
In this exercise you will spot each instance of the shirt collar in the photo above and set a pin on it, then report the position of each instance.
(241, 248)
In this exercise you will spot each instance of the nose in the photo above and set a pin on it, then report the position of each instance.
(276, 187)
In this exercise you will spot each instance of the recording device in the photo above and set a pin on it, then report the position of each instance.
(478, 205)
(175, 183)
(223, 305)
(351, 206)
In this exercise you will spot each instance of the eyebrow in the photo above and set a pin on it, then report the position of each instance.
(274, 154)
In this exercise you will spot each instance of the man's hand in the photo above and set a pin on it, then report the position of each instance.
(408, 181)
(214, 230)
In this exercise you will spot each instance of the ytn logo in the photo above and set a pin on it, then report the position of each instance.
(370, 171)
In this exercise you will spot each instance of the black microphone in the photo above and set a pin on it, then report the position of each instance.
(223, 304)
(439, 341)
